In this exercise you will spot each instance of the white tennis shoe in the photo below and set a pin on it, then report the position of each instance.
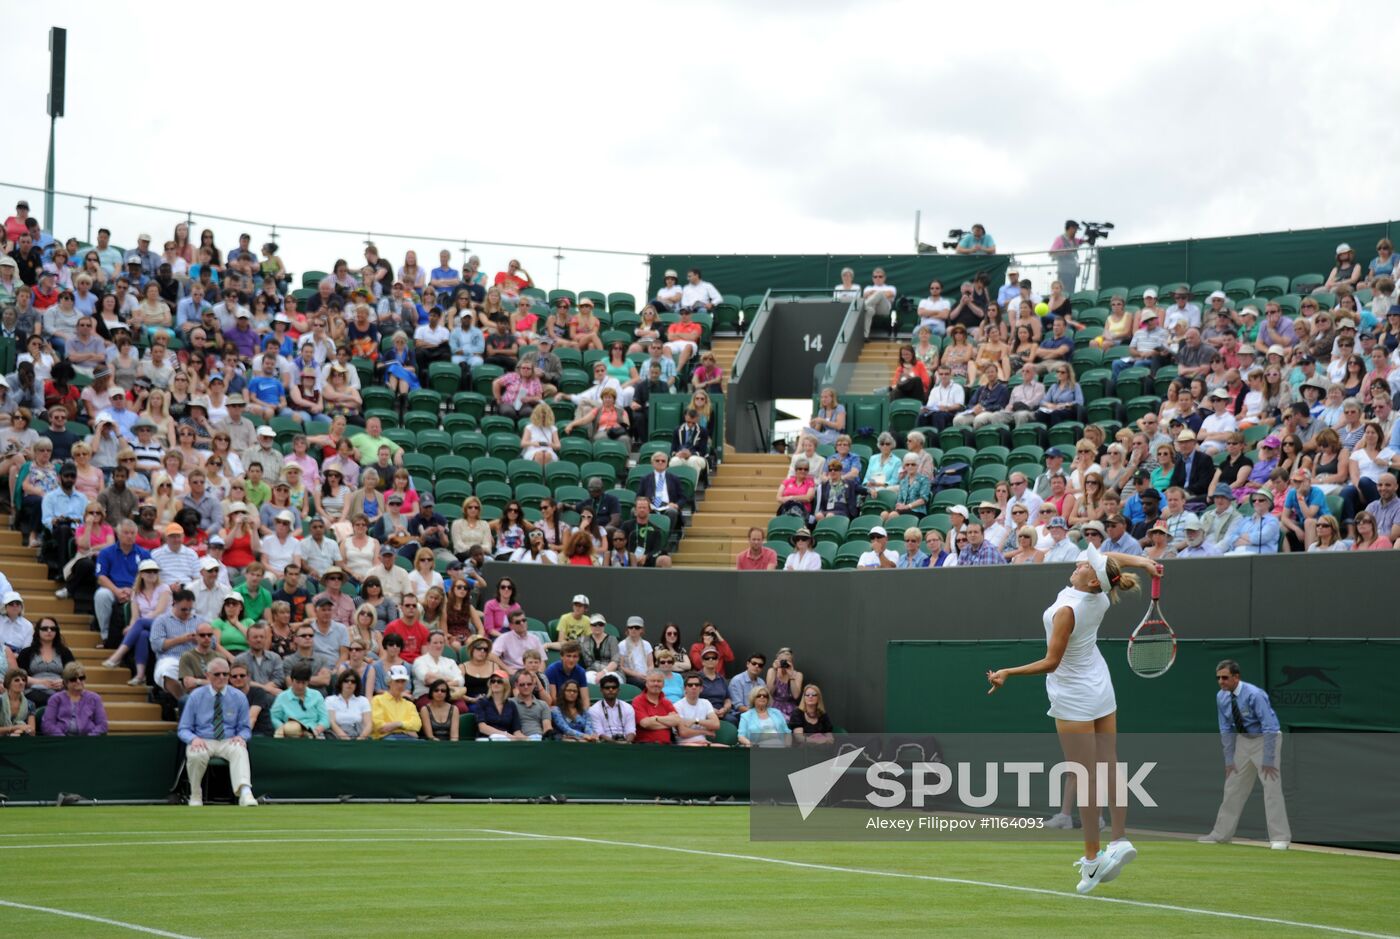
(1059, 820)
(1123, 852)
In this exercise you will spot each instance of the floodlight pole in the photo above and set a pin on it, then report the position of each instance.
(58, 53)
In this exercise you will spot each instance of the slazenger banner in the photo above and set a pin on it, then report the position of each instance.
(1276, 787)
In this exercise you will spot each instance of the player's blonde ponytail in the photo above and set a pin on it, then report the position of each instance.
(1120, 581)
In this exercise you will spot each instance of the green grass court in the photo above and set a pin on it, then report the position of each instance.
(440, 870)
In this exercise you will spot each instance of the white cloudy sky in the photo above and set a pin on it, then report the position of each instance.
(706, 127)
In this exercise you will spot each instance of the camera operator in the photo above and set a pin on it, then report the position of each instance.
(1065, 250)
(976, 241)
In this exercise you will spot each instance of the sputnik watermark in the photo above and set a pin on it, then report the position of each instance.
(929, 781)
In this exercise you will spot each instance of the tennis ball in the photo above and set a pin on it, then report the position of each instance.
(1041, 309)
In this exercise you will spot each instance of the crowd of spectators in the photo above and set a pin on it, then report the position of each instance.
(1275, 433)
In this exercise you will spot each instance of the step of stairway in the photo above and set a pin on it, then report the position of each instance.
(140, 727)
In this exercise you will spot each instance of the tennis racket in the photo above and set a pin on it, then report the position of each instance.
(1152, 646)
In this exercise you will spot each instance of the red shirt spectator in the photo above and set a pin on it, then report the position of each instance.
(643, 707)
(414, 635)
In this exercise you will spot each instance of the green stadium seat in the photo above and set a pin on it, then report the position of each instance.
(524, 471)
(620, 301)
(964, 454)
(434, 442)
(1083, 299)
(990, 455)
(937, 522)
(1136, 294)
(488, 468)
(404, 438)
(1132, 382)
(561, 473)
(1109, 293)
(494, 492)
(419, 420)
(827, 552)
(482, 378)
(946, 499)
(418, 464)
(831, 530)
(577, 450)
(859, 529)
(1204, 288)
(1031, 433)
(451, 492)
(469, 444)
(1092, 316)
(903, 414)
(470, 402)
(425, 399)
(991, 436)
(1239, 288)
(1026, 453)
(1166, 291)
(1087, 357)
(1105, 409)
(1306, 283)
(444, 377)
(569, 494)
(1093, 384)
(604, 471)
(988, 475)
(782, 527)
(1273, 286)
(612, 452)
(846, 559)
(453, 422)
(503, 445)
(1082, 339)
(1065, 434)
(529, 494)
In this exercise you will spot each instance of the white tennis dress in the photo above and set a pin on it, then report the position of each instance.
(1080, 689)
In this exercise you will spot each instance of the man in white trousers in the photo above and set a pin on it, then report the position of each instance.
(1253, 745)
(214, 722)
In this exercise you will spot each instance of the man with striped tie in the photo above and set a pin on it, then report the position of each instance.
(214, 723)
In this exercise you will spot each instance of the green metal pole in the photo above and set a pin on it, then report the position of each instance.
(48, 179)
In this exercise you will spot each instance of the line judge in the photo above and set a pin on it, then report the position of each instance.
(1252, 743)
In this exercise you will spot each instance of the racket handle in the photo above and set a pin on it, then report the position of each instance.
(1156, 588)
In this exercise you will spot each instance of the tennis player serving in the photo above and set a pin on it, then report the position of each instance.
(1081, 694)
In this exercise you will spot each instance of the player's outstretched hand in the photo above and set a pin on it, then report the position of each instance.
(997, 678)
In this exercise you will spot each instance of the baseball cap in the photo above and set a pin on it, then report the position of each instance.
(1058, 522)
(1149, 314)
(878, 531)
(1150, 292)
(147, 565)
(1054, 452)
(426, 498)
(1096, 526)
(1217, 295)
(11, 597)
(960, 509)
(1193, 524)
(1220, 394)
(635, 622)
(1186, 435)
(210, 564)
(988, 506)
(1223, 491)
(580, 598)
(265, 431)
(386, 549)
(598, 619)
(669, 273)
(216, 541)
(285, 516)
(1271, 441)
(174, 528)
(398, 673)
(1277, 350)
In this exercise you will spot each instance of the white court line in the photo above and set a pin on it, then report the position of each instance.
(256, 841)
(192, 831)
(930, 878)
(134, 927)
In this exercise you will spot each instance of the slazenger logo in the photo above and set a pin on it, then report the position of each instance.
(928, 780)
(13, 777)
(1312, 697)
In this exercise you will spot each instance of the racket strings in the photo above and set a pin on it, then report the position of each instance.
(1152, 649)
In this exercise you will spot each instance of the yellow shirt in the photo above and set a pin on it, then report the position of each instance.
(385, 709)
(571, 627)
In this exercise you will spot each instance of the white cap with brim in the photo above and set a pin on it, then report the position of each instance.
(398, 673)
(1095, 559)
(11, 597)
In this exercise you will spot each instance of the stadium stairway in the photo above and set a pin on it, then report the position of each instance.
(128, 711)
(873, 368)
(726, 350)
(740, 496)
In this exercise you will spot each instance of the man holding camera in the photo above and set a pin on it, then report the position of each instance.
(1065, 250)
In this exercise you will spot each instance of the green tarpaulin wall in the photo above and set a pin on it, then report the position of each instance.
(941, 686)
(1309, 251)
(145, 768)
(748, 274)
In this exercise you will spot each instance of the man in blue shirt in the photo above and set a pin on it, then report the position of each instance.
(117, 565)
(444, 278)
(1257, 534)
(1119, 539)
(977, 241)
(64, 504)
(1251, 741)
(268, 394)
(567, 669)
(214, 722)
(190, 311)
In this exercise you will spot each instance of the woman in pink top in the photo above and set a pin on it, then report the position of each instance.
(796, 493)
(496, 614)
